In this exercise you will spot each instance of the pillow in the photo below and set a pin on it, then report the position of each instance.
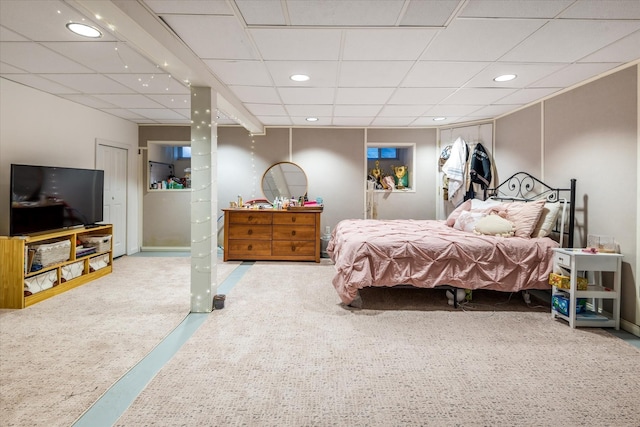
(477, 204)
(467, 221)
(453, 216)
(524, 215)
(548, 218)
(495, 225)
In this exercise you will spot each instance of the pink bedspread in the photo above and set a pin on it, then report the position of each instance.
(428, 253)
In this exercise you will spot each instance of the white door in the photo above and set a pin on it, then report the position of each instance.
(113, 161)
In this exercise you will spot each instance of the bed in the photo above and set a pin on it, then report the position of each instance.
(503, 243)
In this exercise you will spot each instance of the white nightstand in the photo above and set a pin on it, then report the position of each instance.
(571, 261)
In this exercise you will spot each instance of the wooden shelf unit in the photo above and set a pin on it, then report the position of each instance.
(272, 234)
(13, 274)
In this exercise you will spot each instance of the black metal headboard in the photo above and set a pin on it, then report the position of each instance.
(522, 186)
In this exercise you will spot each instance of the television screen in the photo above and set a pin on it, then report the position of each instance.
(47, 198)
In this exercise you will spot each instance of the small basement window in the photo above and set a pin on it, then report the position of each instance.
(384, 159)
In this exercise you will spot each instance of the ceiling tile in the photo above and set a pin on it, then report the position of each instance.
(357, 110)
(571, 40)
(477, 96)
(9, 69)
(275, 120)
(572, 75)
(157, 113)
(35, 58)
(261, 12)
(344, 12)
(38, 82)
(246, 73)
(420, 95)
(428, 121)
(189, 7)
(404, 110)
(173, 101)
(480, 39)
(256, 94)
(130, 101)
(123, 113)
(429, 13)
(442, 74)
(352, 121)
(618, 9)
(309, 110)
(151, 83)
(363, 96)
(89, 101)
(621, 51)
(385, 44)
(306, 95)
(514, 8)
(451, 110)
(104, 57)
(526, 96)
(195, 31)
(373, 73)
(6, 35)
(266, 109)
(89, 83)
(491, 111)
(297, 44)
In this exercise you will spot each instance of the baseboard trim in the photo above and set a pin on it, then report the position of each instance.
(165, 249)
(632, 328)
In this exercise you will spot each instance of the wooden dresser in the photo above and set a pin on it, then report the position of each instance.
(267, 234)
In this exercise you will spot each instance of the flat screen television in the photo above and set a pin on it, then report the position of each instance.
(47, 198)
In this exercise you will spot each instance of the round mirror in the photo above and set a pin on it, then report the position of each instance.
(284, 179)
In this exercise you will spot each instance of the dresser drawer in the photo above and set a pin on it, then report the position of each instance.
(294, 218)
(253, 232)
(294, 248)
(249, 217)
(294, 232)
(247, 249)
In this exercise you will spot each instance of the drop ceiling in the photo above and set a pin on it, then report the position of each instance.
(383, 63)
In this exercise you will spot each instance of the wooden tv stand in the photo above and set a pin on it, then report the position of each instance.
(14, 259)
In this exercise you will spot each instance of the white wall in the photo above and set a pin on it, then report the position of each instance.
(42, 129)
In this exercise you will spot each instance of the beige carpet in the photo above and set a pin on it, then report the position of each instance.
(59, 356)
(284, 352)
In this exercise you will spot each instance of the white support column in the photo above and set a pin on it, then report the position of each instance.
(204, 199)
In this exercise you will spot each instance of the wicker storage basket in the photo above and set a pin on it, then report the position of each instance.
(101, 243)
(51, 253)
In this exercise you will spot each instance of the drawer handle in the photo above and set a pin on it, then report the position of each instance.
(293, 248)
(250, 247)
(293, 233)
(250, 232)
(250, 218)
(293, 219)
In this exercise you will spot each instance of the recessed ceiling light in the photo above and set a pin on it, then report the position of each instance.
(84, 30)
(311, 119)
(439, 119)
(505, 78)
(299, 77)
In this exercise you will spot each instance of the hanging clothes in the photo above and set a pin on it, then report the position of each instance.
(454, 169)
(479, 172)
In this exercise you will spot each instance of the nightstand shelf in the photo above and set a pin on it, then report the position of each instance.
(571, 261)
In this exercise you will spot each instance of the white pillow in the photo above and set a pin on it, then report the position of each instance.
(495, 225)
(467, 221)
(547, 220)
(477, 204)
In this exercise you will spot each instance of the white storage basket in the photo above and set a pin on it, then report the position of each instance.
(71, 271)
(40, 282)
(98, 262)
(101, 243)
